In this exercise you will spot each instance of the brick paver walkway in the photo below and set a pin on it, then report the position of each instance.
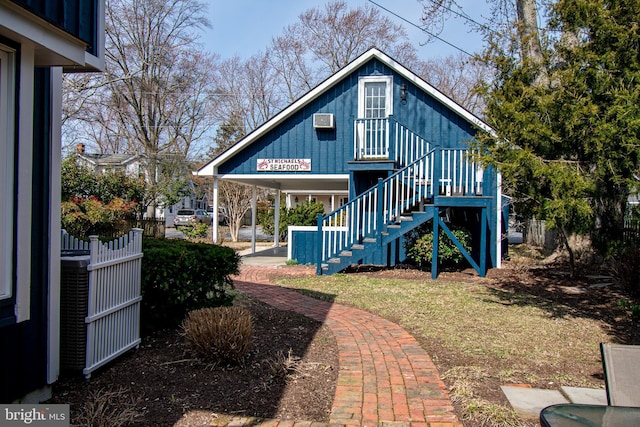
(385, 377)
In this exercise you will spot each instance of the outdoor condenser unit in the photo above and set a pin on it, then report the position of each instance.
(323, 121)
(74, 295)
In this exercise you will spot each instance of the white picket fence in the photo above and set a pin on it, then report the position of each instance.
(114, 295)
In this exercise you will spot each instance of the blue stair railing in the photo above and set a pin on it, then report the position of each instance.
(367, 216)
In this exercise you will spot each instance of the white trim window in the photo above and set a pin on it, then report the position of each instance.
(375, 105)
(7, 142)
(375, 99)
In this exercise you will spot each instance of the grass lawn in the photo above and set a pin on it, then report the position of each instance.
(527, 325)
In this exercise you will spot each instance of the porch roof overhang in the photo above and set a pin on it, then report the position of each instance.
(291, 182)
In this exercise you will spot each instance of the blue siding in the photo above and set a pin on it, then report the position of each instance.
(24, 368)
(330, 151)
(77, 17)
(304, 246)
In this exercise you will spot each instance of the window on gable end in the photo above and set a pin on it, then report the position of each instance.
(375, 99)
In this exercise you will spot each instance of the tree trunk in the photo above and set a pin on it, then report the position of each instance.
(530, 46)
(572, 257)
(610, 207)
(234, 229)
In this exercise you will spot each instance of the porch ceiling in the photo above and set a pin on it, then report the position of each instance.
(291, 183)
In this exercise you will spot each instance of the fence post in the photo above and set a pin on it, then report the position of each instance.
(436, 242)
(137, 236)
(94, 248)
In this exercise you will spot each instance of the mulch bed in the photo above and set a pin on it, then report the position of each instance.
(290, 373)
(163, 384)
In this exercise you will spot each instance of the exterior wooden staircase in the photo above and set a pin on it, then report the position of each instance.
(358, 251)
(429, 180)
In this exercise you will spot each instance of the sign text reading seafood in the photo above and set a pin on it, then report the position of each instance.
(284, 165)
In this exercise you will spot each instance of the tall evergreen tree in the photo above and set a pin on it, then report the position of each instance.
(570, 149)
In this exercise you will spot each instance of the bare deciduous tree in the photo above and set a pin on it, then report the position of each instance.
(248, 88)
(154, 97)
(237, 201)
(506, 16)
(337, 35)
(323, 40)
(457, 76)
(288, 57)
(158, 80)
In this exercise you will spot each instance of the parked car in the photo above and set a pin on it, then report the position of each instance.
(222, 216)
(191, 216)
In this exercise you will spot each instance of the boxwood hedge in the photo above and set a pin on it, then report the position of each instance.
(180, 276)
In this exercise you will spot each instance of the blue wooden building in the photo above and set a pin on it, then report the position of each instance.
(39, 40)
(393, 152)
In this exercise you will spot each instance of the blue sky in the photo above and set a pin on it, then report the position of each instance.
(244, 27)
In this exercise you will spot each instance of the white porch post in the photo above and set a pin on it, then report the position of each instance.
(214, 214)
(254, 210)
(53, 357)
(276, 221)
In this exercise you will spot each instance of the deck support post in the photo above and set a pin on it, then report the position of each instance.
(319, 247)
(436, 242)
(483, 242)
(380, 223)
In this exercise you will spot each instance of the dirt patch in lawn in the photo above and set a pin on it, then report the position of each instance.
(290, 373)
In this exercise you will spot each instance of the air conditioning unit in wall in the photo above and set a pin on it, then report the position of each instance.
(323, 121)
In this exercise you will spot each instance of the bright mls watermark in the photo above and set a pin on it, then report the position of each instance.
(34, 415)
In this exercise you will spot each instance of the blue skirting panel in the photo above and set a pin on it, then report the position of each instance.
(303, 247)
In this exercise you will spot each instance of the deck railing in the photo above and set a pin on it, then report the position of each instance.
(387, 139)
(461, 176)
(408, 146)
(371, 139)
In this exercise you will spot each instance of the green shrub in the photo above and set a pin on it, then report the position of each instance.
(420, 248)
(194, 231)
(625, 269)
(219, 334)
(83, 217)
(303, 214)
(180, 276)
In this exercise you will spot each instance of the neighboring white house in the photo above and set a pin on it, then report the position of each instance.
(134, 165)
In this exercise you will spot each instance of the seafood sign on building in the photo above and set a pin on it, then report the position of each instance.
(284, 165)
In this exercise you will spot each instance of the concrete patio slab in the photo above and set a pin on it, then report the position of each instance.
(528, 402)
(587, 396)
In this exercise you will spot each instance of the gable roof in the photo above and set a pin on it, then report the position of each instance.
(210, 168)
(108, 159)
